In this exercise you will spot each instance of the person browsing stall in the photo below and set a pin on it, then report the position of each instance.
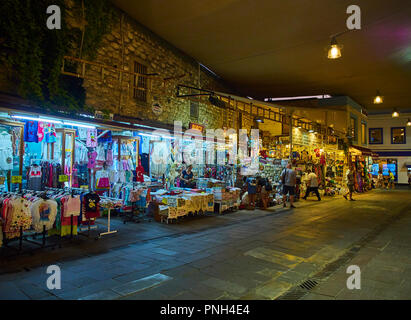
(350, 183)
(187, 177)
(312, 185)
(288, 179)
(252, 191)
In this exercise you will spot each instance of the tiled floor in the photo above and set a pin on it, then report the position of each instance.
(242, 255)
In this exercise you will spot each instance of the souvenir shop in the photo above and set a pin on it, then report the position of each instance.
(67, 173)
(310, 151)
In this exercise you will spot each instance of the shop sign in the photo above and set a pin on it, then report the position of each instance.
(16, 179)
(196, 126)
(157, 108)
(2, 180)
(63, 178)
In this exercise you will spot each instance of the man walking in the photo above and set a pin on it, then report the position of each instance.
(288, 179)
(350, 183)
(312, 185)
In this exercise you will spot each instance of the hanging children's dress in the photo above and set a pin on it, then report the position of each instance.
(102, 180)
(91, 138)
(44, 214)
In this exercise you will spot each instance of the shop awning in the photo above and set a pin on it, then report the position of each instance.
(365, 151)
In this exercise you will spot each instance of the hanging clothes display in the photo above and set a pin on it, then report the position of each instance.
(91, 138)
(16, 216)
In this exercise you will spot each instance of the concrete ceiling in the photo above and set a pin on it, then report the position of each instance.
(277, 48)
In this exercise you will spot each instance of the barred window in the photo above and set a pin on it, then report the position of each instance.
(194, 109)
(140, 84)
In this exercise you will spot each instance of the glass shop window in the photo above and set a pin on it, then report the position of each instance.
(363, 133)
(375, 136)
(398, 135)
(353, 127)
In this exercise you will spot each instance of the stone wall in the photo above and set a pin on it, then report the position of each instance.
(129, 42)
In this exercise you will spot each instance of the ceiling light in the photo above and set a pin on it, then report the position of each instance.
(409, 122)
(395, 113)
(259, 119)
(378, 99)
(334, 52)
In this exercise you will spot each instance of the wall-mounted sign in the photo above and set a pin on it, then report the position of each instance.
(196, 126)
(16, 179)
(157, 108)
(63, 178)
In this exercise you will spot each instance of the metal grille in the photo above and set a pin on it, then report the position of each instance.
(140, 82)
(308, 284)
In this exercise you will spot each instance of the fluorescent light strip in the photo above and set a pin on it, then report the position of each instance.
(154, 136)
(325, 96)
(37, 119)
(79, 125)
(50, 120)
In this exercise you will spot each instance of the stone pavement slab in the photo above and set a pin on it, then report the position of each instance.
(246, 254)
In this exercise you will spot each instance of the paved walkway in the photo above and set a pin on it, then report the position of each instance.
(243, 255)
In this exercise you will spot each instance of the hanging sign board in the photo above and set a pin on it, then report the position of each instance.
(63, 178)
(2, 180)
(196, 126)
(16, 179)
(157, 108)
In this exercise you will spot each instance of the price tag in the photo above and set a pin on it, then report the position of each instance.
(2, 180)
(63, 178)
(16, 179)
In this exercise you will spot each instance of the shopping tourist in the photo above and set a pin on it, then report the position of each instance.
(380, 180)
(187, 177)
(312, 185)
(263, 190)
(391, 179)
(252, 192)
(350, 183)
(288, 179)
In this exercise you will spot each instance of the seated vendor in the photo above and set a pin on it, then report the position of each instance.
(187, 178)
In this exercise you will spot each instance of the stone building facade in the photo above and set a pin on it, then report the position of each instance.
(132, 47)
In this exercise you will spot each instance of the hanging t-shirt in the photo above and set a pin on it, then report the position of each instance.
(91, 207)
(72, 206)
(34, 178)
(30, 131)
(50, 131)
(40, 131)
(44, 214)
